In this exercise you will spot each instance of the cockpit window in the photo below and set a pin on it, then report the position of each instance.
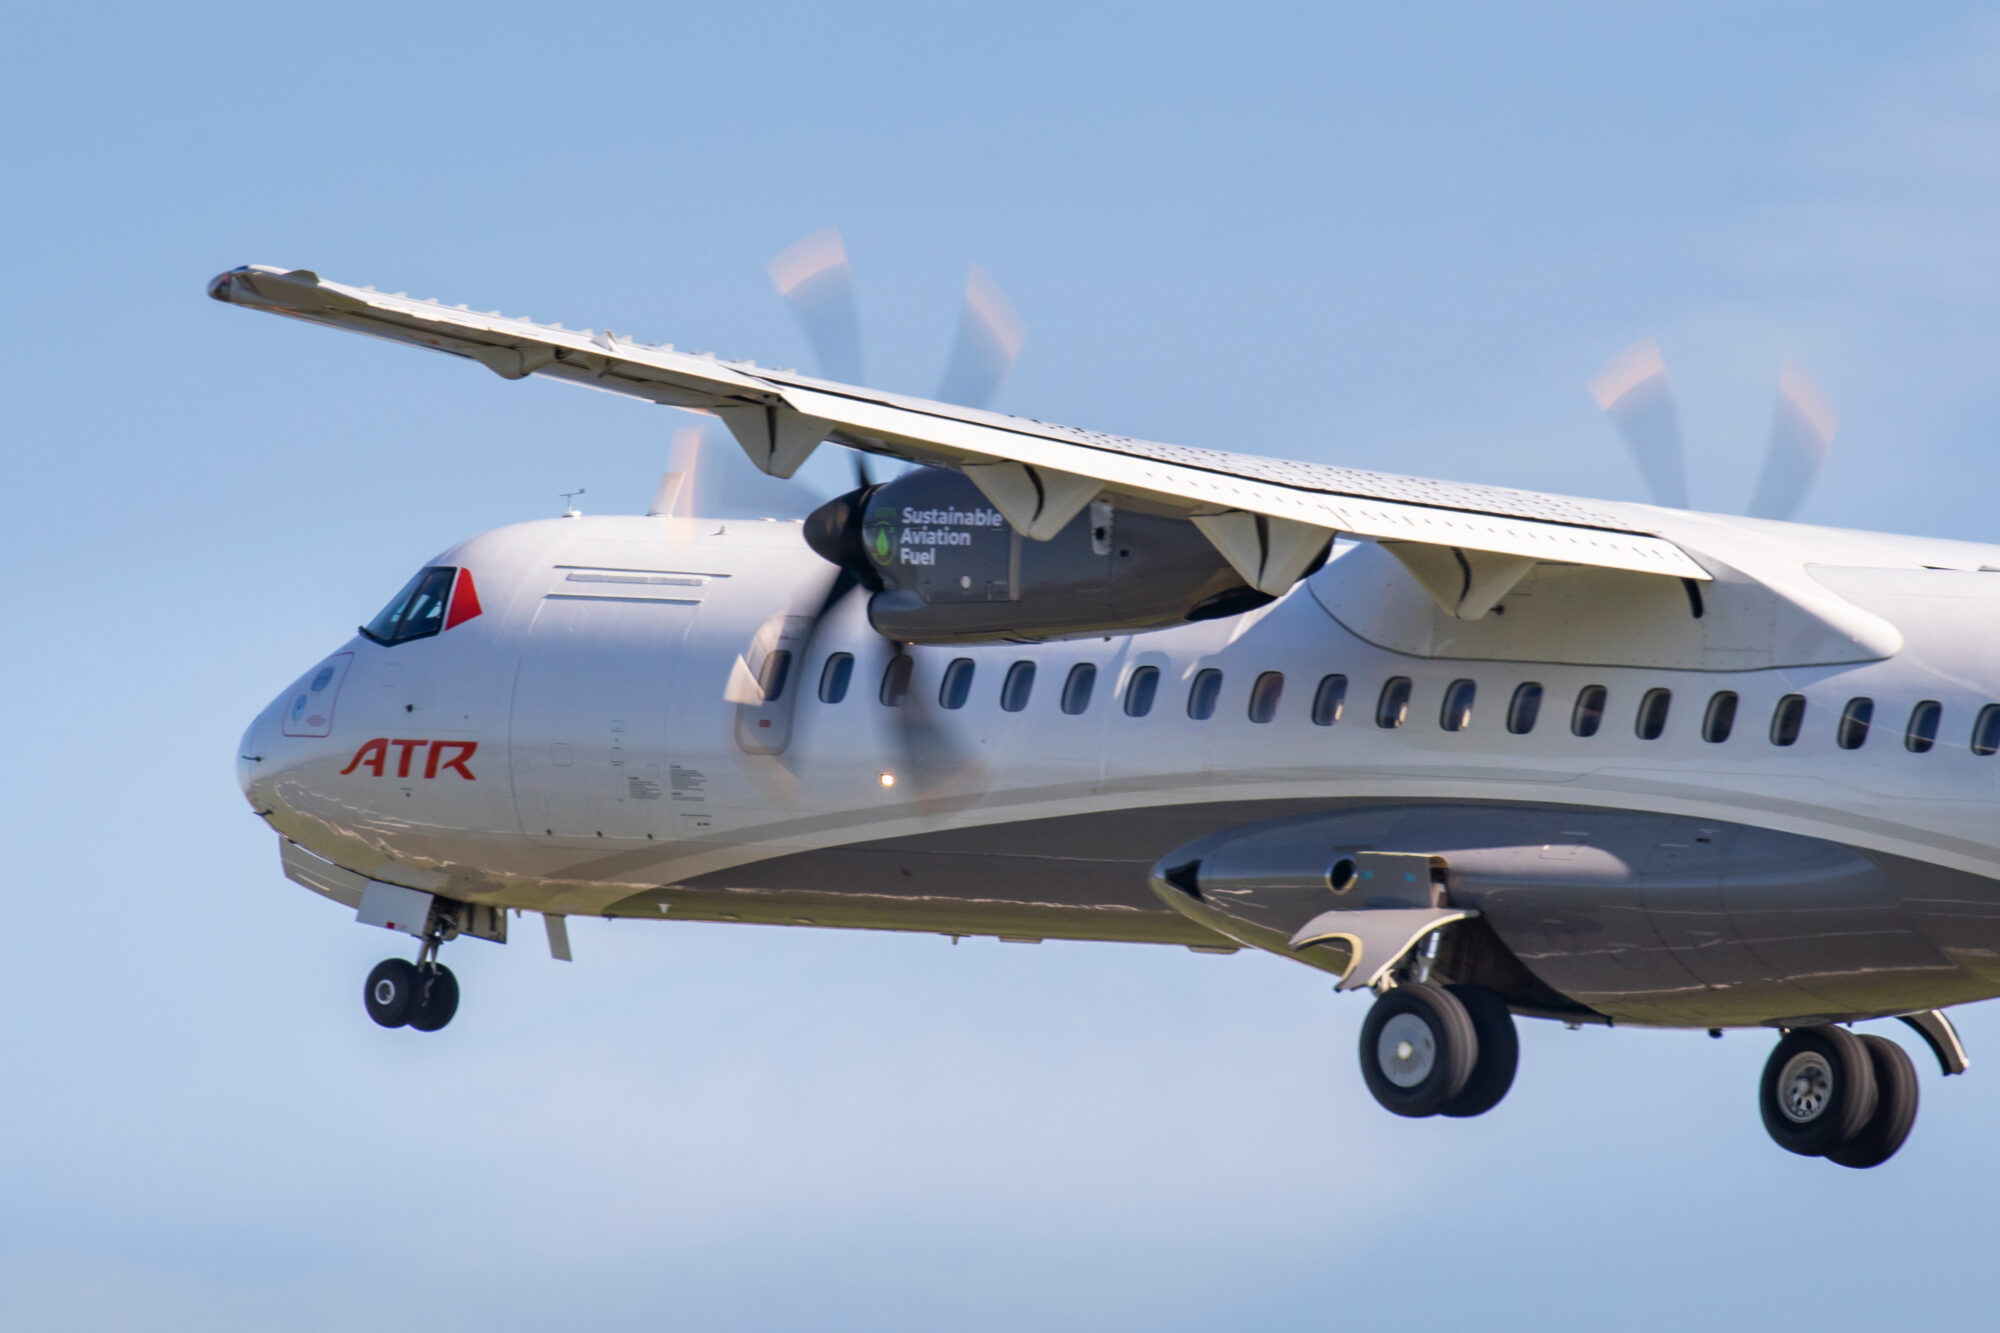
(417, 612)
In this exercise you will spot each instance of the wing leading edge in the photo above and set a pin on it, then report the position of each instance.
(1270, 518)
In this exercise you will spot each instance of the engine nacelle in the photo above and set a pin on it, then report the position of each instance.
(945, 566)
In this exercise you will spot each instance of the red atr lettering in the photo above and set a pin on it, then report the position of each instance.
(403, 760)
(372, 754)
(444, 757)
(456, 762)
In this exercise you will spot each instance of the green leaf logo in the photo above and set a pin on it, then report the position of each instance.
(883, 543)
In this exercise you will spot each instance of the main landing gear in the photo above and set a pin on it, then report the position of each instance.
(1439, 1050)
(1827, 1092)
(421, 995)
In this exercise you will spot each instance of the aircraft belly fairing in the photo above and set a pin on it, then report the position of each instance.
(1643, 918)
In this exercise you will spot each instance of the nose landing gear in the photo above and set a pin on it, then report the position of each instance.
(1829, 1093)
(421, 995)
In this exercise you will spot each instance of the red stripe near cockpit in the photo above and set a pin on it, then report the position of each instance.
(464, 600)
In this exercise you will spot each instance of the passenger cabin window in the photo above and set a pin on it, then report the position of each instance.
(1652, 719)
(1921, 734)
(1207, 688)
(1986, 730)
(1854, 719)
(1524, 708)
(1019, 684)
(1720, 719)
(956, 686)
(417, 612)
(896, 680)
(1328, 699)
(1588, 715)
(1264, 696)
(1787, 719)
(834, 676)
(1077, 687)
(1455, 714)
(1139, 691)
(777, 671)
(1393, 704)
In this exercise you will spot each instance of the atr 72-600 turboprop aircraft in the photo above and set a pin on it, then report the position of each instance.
(1482, 751)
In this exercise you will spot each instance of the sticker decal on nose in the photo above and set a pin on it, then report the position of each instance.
(310, 712)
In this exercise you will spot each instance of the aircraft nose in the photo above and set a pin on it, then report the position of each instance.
(290, 730)
(254, 761)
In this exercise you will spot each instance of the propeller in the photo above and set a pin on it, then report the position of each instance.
(717, 481)
(1801, 434)
(1632, 390)
(814, 278)
(812, 275)
(988, 342)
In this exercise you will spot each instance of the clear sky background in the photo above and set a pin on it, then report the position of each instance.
(1399, 237)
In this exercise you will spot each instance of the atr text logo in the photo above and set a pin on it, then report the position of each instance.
(444, 755)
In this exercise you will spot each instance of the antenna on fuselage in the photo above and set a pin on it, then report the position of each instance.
(570, 510)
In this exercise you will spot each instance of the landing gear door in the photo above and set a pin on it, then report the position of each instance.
(764, 684)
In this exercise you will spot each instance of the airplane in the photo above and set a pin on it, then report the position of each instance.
(1484, 753)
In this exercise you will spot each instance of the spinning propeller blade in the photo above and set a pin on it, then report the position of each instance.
(990, 334)
(1632, 390)
(813, 277)
(925, 750)
(719, 482)
(1801, 434)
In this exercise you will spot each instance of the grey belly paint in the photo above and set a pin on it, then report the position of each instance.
(1650, 919)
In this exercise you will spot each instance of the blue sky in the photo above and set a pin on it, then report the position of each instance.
(1399, 237)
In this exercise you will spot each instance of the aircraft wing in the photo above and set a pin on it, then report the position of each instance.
(1269, 517)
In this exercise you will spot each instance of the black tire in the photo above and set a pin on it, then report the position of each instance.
(1895, 1107)
(391, 992)
(1418, 1049)
(1499, 1053)
(437, 998)
(1818, 1090)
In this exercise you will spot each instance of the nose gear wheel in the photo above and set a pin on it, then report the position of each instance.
(422, 996)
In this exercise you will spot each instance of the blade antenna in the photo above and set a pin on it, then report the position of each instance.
(813, 277)
(988, 342)
(1801, 435)
(1632, 390)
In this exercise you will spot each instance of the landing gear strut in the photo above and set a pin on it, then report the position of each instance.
(421, 995)
(1829, 1093)
(1439, 1050)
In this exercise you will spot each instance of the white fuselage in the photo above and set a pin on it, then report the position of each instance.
(598, 755)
